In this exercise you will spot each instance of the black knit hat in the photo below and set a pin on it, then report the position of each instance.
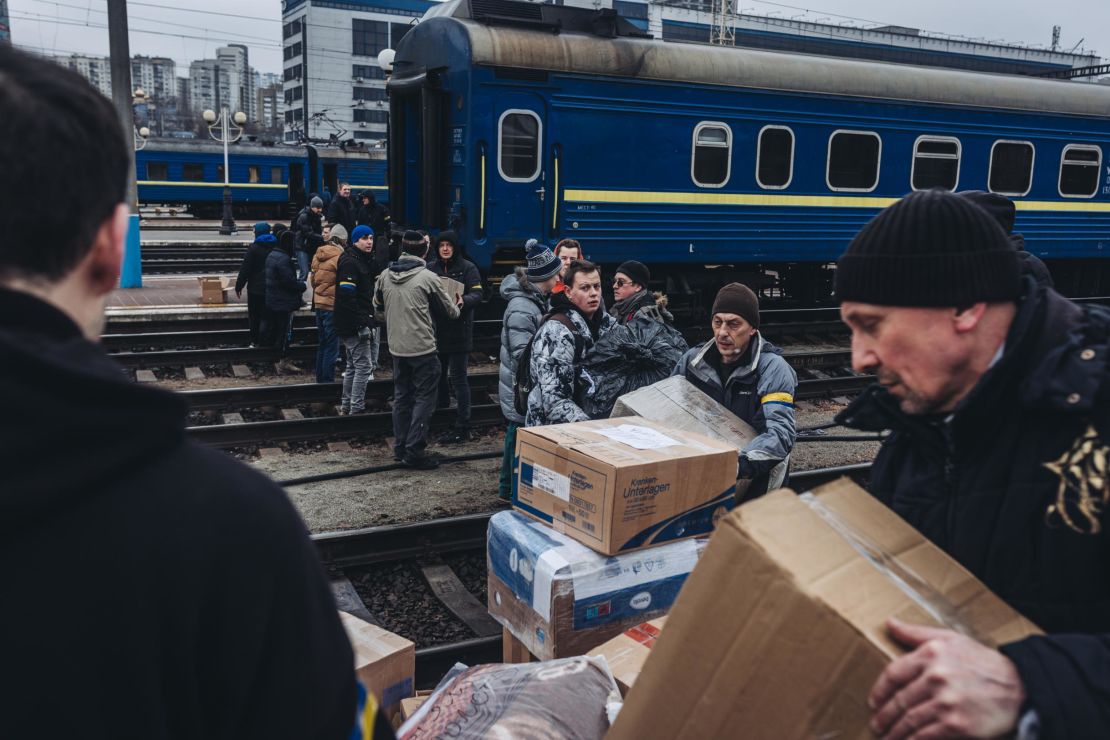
(413, 243)
(636, 271)
(739, 299)
(931, 248)
(998, 206)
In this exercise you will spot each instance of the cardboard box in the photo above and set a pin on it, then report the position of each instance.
(385, 662)
(454, 288)
(627, 652)
(413, 703)
(619, 484)
(559, 598)
(677, 403)
(213, 289)
(780, 630)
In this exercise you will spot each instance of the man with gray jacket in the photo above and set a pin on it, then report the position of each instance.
(409, 295)
(525, 293)
(745, 373)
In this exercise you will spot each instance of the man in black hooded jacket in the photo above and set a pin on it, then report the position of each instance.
(192, 602)
(995, 389)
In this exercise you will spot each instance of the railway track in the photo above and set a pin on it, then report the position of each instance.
(341, 551)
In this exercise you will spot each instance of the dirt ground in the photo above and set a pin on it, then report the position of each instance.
(459, 488)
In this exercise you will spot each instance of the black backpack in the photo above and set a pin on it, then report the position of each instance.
(524, 384)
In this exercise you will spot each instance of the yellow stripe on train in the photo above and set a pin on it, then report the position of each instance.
(810, 201)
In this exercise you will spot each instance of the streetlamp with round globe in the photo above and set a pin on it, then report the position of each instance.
(230, 129)
(385, 60)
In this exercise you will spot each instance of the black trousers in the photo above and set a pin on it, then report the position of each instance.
(453, 367)
(415, 382)
(256, 315)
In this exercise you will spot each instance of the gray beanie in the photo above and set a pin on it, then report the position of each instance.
(316, 202)
(339, 232)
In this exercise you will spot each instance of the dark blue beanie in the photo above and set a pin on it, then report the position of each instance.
(261, 228)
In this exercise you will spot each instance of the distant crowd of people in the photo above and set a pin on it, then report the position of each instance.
(195, 605)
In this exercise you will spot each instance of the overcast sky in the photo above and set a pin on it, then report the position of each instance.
(66, 26)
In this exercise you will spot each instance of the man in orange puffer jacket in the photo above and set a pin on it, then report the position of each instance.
(324, 265)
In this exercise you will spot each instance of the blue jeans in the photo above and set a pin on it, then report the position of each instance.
(327, 348)
(304, 262)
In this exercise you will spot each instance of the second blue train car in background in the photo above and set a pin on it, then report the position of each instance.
(516, 120)
(268, 182)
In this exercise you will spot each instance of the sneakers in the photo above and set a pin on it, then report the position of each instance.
(344, 412)
(454, 437)
(287, 366)
(423, 462)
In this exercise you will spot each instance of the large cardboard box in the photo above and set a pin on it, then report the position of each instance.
(385, 662)
(213, 289)
(677, 404)
(454, 288)
(627, 652)
(780, 630)
(559, 598)
(621, 484)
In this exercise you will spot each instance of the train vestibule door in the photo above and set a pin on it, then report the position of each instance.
(517, 195)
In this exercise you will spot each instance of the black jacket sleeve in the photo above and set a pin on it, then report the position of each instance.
(472, 290)
(1067, 681)
(246, 269)
(287, 277)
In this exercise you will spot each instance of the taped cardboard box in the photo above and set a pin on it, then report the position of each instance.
(454, 288)
(385, 662)
(213, 289)
(780, 630)
(677, 403)
(627, 652)
(620, 484)
(560, 598)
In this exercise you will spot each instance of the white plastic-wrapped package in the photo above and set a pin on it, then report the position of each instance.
(560, 598)
(566, 699)
(677, 403)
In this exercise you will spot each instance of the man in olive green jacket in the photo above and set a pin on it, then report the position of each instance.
(411, 298)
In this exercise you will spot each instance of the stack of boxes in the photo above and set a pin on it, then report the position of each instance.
(610, 518)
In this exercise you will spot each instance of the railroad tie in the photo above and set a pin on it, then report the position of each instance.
(291, 414)
(232, 418)
(451, 591)
(241, 371)
(194, 373)
(145, 376)
(348, 600)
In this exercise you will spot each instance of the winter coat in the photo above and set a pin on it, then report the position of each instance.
(283, 290)
(458, 335)
(759, 391)
(342, 211)
(375, 215)
(309, 231)
(252, 273)
(325, 263)
(559, 378)
(204, 610)
(354, 298)
(999, 483)
(411, 298)
(524, 308)
(644, 303)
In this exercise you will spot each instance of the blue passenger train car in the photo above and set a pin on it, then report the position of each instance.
(266, 181)
(515, 120)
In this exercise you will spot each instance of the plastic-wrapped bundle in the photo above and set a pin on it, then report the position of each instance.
(641, 352)
(557, 699)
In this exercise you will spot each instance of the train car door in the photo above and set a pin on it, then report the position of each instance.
(296, 185)
(517, 194)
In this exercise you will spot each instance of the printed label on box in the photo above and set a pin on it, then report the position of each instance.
(642, 438)
(551, 482)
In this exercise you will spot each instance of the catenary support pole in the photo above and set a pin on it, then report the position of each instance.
(131, 276)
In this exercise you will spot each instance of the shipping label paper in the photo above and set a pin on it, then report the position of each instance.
(642, 438)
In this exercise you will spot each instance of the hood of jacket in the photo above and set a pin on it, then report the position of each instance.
(517, 285)
(405, 268)
(268, 240)
(74, 423)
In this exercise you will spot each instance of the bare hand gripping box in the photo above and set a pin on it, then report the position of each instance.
(780, 631)
(620, 484)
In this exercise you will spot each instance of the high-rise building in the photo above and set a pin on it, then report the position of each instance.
(269, 104)
(5, 24)
(235, 58)
(333, 86)
(209, 85)
(97, 70)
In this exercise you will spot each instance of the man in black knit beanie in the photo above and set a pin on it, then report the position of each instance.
(994, 390)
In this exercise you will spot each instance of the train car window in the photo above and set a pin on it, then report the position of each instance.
(1011, 170)
(157, 171)
(774, 158)
(936, 163)
(518, 154)
(853, 163)
(193, 172)
(254, 173)
(276, 176)
(1079, 170)
(711, 160)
